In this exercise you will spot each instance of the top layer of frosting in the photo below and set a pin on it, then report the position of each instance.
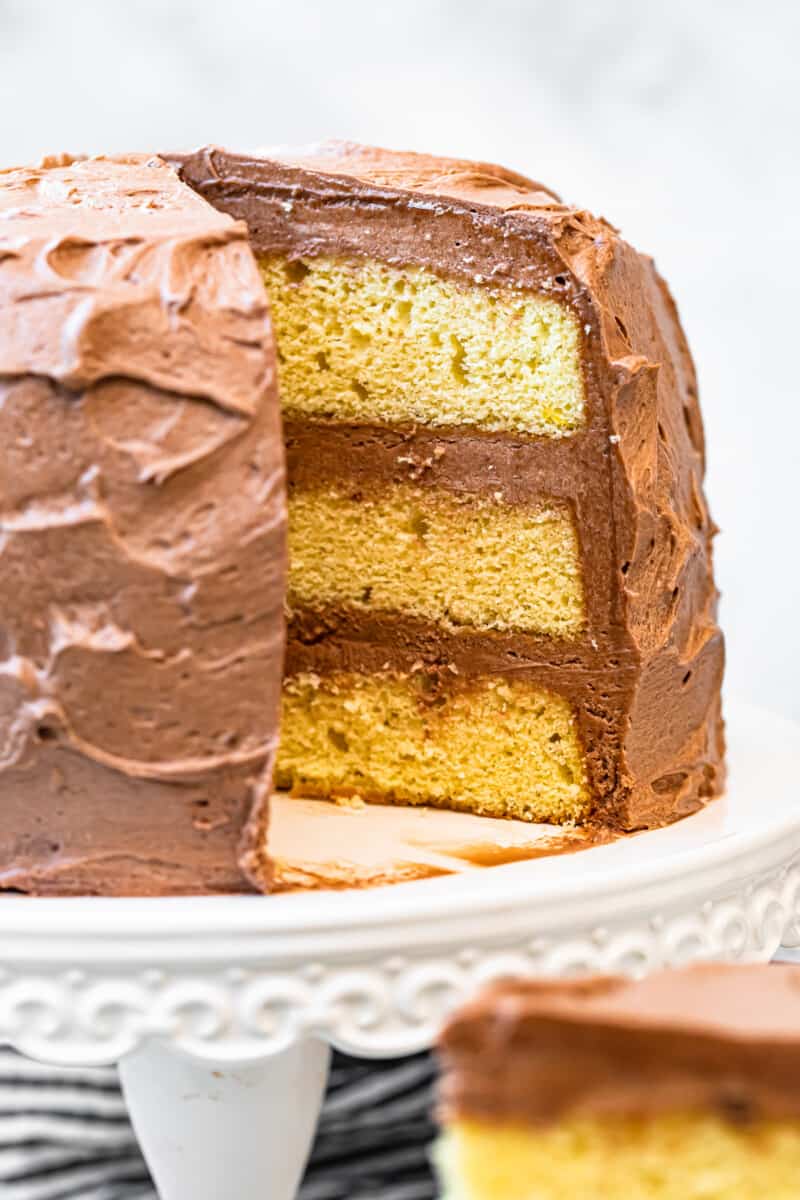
(716, 1036)
(100, 278)
(460, 179)
(142, 526)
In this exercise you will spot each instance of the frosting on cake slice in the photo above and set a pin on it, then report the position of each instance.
(501, 595)
(680, 1087)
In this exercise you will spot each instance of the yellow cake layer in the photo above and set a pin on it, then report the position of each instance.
(427, 554)
(499, 748)
(369, 343)
(682, 1156)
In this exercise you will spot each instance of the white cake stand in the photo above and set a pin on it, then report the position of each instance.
(221, 1010)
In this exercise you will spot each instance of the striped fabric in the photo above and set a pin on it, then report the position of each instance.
(64, 1133)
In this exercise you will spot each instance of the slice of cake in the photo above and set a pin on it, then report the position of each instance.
(501, 597)
(680, 1087)
(142, 531)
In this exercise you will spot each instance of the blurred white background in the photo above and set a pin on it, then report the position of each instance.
(678, 121)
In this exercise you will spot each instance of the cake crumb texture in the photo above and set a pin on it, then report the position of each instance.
(501, 748)
(430, 554)
(368, 342)
(674, 1156)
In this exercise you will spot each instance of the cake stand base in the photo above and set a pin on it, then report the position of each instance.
(220, 1009)
(212, 1130)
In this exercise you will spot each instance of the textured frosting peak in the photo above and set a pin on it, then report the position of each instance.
(118, 198)
(98, 280)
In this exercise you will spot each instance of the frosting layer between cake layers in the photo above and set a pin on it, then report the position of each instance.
(499, 537)
(142, 536)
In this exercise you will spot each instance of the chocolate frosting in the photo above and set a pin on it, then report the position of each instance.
(717, 1038)
(142, 536)
(646, 676)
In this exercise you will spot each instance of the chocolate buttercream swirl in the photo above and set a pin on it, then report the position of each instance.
(142, 530)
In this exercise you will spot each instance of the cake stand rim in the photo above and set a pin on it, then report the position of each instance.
(378, 978)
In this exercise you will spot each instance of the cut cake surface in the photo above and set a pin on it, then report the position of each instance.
(501, 595)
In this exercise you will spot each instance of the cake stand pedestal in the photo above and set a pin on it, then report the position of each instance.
(221, 1010)
(222, 1132)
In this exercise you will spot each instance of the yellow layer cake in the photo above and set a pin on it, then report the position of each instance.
(495, 462)
(430, 554)
(394, 738)
(678, 1156)
(367, 342)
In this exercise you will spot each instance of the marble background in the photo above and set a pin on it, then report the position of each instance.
(678, 121)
